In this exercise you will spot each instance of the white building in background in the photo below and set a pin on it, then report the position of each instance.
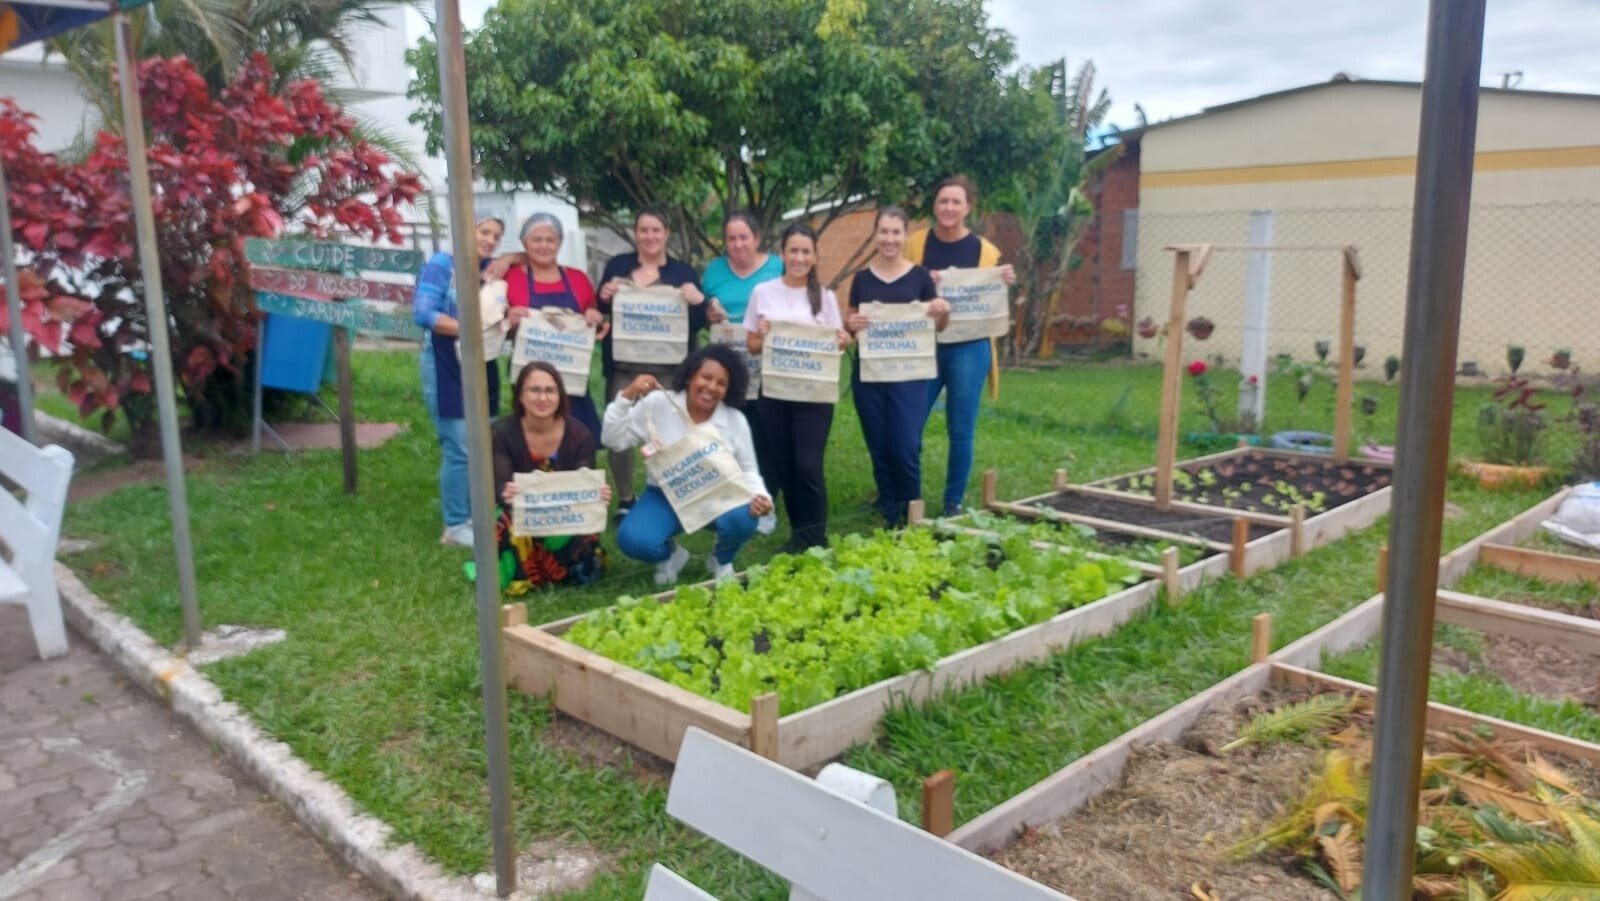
(376, 91)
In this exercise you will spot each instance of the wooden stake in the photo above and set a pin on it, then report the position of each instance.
(915, 512)
(1261, 638)
(764, 725)
(347, 407)
(939, 803)
(1171, 381)
(1241, 537)
(991, 482)
(1383, 568)
(1347, 361)
(1060, 483)
(513, 614)
(1297, 530)
(1169, 575)
(1242, 443)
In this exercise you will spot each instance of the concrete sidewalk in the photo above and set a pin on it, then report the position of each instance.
(106, 794)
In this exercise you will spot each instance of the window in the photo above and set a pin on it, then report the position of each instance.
(1130, 238)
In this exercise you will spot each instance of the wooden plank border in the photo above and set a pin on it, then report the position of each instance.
(653, 714)
(1548, 566)
(1455, 564)
(1576, 633)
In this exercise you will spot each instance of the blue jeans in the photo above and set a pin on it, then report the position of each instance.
(647, 532)
(455, 496)
(892, 416)
(963, 368)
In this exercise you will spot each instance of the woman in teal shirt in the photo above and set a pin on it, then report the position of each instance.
(728, 281)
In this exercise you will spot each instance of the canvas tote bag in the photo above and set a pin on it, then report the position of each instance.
(558, 503)
(561, 338)
(898, 345)
(980, 304)
(698, 473)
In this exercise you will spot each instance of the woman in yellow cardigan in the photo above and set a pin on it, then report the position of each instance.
(963, 366)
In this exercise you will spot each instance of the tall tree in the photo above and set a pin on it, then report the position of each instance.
(703, 106)
(1052, 206)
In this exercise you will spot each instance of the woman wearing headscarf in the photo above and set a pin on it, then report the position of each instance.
(539, 282)
(647, 265)
(963, 366)
(434, 308)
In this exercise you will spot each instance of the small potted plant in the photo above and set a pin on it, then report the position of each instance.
(1511, 430)
(1515, 354)
(1358, 353)
(1200, 327)
(1391, 367)
(1370, 448)
(1147, 328)
(1469, 368)
(1322, 347)
(1562, 358)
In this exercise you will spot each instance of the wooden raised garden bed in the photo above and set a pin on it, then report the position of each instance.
(652, 714)
(1255, 539)
(1066, 792)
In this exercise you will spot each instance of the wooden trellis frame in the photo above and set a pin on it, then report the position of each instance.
(1189, 262)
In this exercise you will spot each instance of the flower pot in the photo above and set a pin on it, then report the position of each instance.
(1148, 328)
(1560, 360)
(1499, 475)
(1201, 328)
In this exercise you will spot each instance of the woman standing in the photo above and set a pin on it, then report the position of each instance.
(541, 435)
(541, 283)
(795, 433)
(893, 413)
(648, 265)
(699, 386)
(728, 282)
(964, 365)
(434, 308)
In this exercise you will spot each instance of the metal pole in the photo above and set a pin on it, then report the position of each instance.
(480, 472)
(19, 337)
(156, 319)
(1433, 325)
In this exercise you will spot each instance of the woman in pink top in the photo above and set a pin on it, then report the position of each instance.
(796, 432)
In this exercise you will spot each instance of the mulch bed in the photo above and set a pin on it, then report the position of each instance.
(1178, 807)
(1254, 477)
(1183, 522)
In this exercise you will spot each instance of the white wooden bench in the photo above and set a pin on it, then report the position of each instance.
(827, 845)
(29, 528)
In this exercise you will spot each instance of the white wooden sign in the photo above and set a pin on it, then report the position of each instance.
(980, 304)
(649, 325)
(558, 503)
(558, 337)
(898, 344)
(733, 335)
(822, 842)
(800, 361)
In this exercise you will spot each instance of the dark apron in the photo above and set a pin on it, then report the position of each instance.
(582, 408)
(447, 373)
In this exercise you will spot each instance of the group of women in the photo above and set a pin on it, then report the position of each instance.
(780, 444)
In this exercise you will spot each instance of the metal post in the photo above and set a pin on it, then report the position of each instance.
(156, 319)
(458, 160)
(19, 337)
(1257, 301)
(1433, 325)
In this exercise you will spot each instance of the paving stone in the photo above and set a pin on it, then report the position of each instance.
(148, 809)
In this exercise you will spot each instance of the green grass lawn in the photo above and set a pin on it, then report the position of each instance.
(377, 685)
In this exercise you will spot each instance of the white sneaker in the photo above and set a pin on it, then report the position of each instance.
(719, 571)
(460, 533)
(767, 524)
(668, 569)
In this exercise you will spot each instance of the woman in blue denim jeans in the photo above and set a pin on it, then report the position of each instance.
(434, 308)
(963, 366)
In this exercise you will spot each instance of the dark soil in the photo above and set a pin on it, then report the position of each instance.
(598, 750)
(1532, 667)
(1254, 477)
(1182, 522)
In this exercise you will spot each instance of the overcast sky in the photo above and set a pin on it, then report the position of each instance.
(1175, 57)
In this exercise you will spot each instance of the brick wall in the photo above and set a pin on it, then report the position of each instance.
(1099, 286)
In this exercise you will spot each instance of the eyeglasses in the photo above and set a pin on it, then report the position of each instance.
(542, 390)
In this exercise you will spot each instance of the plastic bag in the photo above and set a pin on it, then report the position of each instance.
(1577, 520)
